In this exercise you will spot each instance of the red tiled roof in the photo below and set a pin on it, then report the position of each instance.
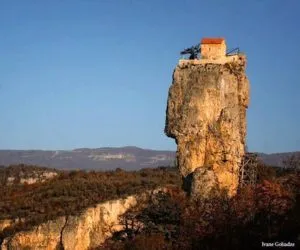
(212, 40)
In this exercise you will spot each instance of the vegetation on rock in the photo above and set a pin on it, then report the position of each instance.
(71, 192)
(266, 212)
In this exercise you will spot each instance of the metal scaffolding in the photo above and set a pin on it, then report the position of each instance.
(248, 169)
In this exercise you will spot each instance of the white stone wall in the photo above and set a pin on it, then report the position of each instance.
(221, 60)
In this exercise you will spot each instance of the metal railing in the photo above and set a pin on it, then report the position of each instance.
(233, 52)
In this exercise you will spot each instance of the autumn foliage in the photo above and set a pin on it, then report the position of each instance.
(71, 192)
(266, 212)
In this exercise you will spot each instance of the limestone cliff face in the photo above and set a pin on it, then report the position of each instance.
(16, 175)
(45, 236)
(85, 231)
(5, 223)
(206, 114)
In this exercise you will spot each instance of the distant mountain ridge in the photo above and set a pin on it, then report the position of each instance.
(107, 158)
(276, 159)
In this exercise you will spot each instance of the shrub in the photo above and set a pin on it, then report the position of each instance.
(268, 212)
(71, 192)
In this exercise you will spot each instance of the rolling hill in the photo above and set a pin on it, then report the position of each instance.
(108, 158)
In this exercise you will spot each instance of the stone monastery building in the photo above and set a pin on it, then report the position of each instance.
(213, 48)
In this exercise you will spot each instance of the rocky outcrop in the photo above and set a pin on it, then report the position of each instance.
(203, 183)
(81, 232)
(85, 231)
(5, 223)
(25, 174)
(45, 236)
(206, 115)
(38, 178)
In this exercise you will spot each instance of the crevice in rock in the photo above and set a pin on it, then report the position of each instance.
(8, 243)
(61, 245)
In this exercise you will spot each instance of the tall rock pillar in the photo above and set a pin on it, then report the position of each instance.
(206, 115)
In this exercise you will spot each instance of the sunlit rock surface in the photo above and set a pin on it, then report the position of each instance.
(206, 115)
(81, 232)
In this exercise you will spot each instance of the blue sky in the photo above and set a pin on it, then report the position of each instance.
(96, 73)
